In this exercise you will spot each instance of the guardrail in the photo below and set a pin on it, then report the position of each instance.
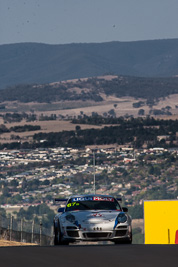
(21, 230)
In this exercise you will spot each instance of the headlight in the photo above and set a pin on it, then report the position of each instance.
(70, 218)
(121, 218)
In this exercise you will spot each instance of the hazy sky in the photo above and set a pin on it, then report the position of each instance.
(75, 21)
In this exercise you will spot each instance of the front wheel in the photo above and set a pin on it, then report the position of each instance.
(124, 241)
(58, 236)
(128, 241)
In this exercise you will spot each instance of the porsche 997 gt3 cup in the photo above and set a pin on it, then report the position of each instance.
(92, 218)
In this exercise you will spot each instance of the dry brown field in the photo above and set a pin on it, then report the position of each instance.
(124, 106)
(74, 108)
(46, 127)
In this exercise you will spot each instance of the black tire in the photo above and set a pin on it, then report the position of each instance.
(129, 241)
(58, 236)
(124, 241)
(55, 235)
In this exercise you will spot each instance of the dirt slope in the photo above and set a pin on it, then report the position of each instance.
(6, 243)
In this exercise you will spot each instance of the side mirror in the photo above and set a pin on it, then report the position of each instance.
(61, 210)
(125, 209)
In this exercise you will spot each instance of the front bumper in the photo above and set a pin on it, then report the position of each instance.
(97, 234)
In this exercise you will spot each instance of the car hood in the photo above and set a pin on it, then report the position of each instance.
(92, 216)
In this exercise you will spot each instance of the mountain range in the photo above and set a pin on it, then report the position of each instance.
(29, 63)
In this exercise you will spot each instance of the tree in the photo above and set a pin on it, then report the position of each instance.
(5, 192)
(136, 212)
(24, 184)
(3, 129)
(151, 170)
(168, 107)
(141, 112)
(77, 128)
(112, 113)
(14, 183)
(2, 212)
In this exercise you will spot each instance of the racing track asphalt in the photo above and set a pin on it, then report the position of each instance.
(90, 256)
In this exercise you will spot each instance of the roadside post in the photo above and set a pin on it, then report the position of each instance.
(41, 225)
(32, 239)
(11, 227)
(21, 230)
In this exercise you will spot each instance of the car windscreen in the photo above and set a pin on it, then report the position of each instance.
(92, 205)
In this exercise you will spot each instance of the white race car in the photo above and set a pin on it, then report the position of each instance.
(92, 218)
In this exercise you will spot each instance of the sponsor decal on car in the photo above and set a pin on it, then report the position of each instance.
(81, 199)
(72, 204)
(93, 199)
(103, 199)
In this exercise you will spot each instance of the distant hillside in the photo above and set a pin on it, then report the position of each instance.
(26, 63)
(93, 89)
